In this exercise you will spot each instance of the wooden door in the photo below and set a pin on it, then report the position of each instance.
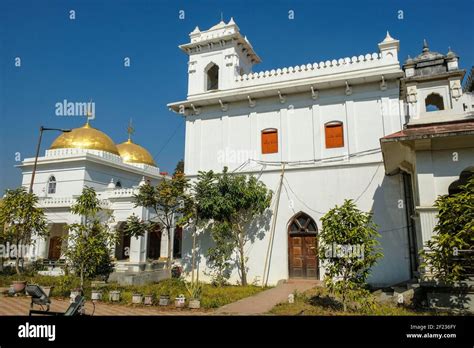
(303, 256)
(54, 252)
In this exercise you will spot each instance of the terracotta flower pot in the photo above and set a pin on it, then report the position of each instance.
(19, 286)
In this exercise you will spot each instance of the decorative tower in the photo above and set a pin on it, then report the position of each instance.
(216, 57)
(389, 48)
(432, 87)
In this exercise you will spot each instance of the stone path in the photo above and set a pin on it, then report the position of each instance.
(260, 303)
(21, 306)
(264, 301)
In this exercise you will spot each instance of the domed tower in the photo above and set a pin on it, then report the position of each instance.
(133, 153)
(85, 137)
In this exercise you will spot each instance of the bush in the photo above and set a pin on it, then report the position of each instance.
(454, 233)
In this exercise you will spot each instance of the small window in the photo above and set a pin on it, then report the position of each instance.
(334, 135)
(434, 102)
(269, 141)
(52, 185)
(213, 77)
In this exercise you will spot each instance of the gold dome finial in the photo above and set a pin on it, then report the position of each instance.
(90, 115)
(130, 130)
(134, 153)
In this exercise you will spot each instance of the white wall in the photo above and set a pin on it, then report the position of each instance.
(215, 139)
(321, 189)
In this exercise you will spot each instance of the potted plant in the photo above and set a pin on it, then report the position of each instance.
(148, 300)
(96, 295)
(137, 298)
(180, 301)
(164, 300)
(195, 291)
(74, 293)
(114, 296)
(19, 286)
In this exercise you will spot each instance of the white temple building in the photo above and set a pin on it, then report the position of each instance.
(319, 126)
(390, 137)
(86, 156)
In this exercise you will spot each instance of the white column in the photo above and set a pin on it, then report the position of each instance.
(138, 244)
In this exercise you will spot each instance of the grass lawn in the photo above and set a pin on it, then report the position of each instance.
(212, 296)
(317, 301)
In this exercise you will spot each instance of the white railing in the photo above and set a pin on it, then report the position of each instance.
(313, 70)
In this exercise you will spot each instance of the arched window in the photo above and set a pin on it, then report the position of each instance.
(302, 223)
(334, 134)
(212, 77)
(434, 102)
(269, 140)
(52, 184)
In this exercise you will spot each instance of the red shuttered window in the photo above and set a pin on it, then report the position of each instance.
(334, 135)
(269, 141)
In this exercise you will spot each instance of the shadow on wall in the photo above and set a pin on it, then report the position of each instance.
(389, 214)
(256, 230)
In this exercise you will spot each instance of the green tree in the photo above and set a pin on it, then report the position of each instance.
(348, 248)
(454, 233)
(195, 213)
(88, 243)
(21, 220)
(166, 200)
(233, 202)
(179, 167)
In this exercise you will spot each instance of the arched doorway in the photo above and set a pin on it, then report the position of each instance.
(122, 247)
(154, 244)
(303, 247)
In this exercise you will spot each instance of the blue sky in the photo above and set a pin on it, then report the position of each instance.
(82, 59)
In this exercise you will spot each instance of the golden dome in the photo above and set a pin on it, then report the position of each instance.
(133, 153)
(85, 137)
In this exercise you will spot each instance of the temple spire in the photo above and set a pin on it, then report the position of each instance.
(130, 130)
(425, 46)
(89, 113)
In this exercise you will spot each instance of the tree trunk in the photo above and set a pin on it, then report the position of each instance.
(82, 278)
(168, 260)
(17, 260)
(193, 262)
(243, 273)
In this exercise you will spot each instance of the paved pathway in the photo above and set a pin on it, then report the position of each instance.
(260, 303)
(21, 306)
(264, 301)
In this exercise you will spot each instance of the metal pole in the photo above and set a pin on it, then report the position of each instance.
(36, 159)
(38, 150)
